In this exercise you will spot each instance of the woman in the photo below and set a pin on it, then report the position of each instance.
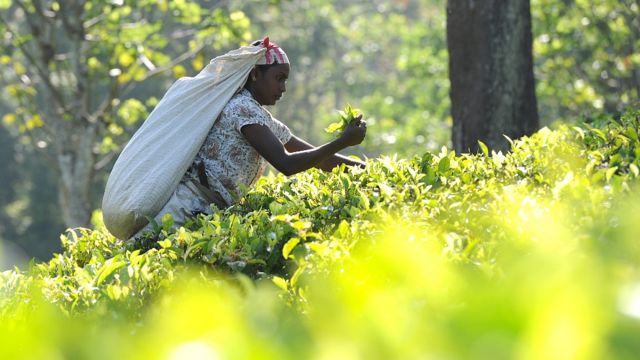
(246, 138)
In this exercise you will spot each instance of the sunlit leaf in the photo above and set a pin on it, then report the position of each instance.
(288, 247)
(484, 148)
(280, 282)
(9, 119)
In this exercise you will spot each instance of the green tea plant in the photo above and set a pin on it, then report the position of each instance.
(346, 117)
(530, 253)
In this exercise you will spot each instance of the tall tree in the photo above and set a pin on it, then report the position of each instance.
(8, 178)
(74, 65)
(491, 72)
(29, 216)
(587, 56)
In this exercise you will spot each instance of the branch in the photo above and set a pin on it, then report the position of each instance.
(76, 12)
(34, 28)
(41, 72)
(30, 132)
(104, 161)
(93, 21)
(106, 104)
(131, 85)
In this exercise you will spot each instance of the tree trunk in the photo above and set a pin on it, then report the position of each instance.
(76, 175)
(491, 72)
(74, 133)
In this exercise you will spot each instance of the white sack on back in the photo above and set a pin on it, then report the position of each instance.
(151, 165)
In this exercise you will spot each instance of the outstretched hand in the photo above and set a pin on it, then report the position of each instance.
(355, 132)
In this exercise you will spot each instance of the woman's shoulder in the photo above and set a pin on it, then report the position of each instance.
(243, 98)
(242, 104)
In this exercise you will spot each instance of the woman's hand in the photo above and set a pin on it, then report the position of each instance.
(355, 132)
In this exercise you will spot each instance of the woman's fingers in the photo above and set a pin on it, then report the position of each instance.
(357, 121)
(354, 133)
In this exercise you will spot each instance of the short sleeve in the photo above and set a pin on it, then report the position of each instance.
(243, 113)
(281, 131)
(246, 113)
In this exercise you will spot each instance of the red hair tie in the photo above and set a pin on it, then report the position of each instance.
(273, 48)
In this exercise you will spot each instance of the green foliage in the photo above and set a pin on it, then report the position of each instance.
(586, 56)
(440, 255)
(390, 56)
(346, 117)
(123, 43)
(79, 77)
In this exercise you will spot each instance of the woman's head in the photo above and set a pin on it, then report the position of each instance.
(267, 80)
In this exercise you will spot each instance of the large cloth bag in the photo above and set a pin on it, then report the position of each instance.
(151, 165)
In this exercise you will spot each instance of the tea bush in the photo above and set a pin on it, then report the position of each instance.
(528, 254)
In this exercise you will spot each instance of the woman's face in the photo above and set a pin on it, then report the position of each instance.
(269, 85)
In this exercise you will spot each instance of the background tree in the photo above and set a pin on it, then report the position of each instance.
(8, 177)
(587, 56)
(74, 66)
(491, 72)
(29, 213)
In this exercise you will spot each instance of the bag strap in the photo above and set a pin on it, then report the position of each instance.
(212, 197)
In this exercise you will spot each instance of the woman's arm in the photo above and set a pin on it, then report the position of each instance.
(289, 163)
(297, 144)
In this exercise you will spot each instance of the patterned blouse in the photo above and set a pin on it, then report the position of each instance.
(230, 163)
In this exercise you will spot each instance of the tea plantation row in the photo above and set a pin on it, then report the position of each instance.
(530, 254)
